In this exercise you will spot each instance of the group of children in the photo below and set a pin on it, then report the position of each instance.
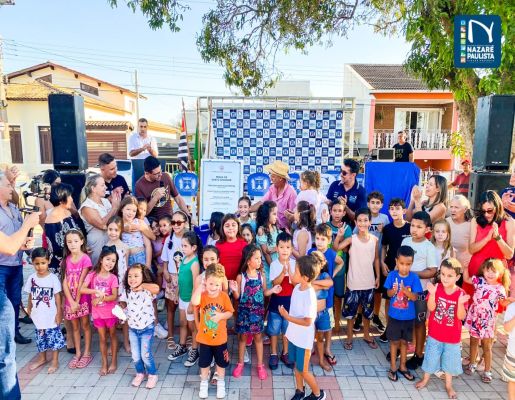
(289, 288)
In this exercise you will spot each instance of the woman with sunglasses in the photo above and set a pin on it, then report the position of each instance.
(492, 234)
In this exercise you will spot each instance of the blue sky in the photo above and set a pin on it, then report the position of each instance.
(111, 43)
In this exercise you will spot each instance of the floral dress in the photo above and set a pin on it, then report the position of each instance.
(251, 309)
(480, 319)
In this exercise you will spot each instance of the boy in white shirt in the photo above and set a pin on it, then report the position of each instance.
(301, 326)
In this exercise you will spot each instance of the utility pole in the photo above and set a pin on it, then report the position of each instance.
(5, 143)
(137, 94)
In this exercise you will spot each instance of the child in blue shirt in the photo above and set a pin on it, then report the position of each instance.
(402, 287)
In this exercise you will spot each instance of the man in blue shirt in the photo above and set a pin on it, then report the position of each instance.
(348, 188)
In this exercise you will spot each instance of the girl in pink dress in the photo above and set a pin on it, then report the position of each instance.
(102, 284)
(76, 306)
(491, 285)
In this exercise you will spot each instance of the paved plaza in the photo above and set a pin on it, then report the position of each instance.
(359, 374)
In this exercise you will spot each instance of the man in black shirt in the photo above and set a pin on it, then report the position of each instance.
(403, 150)
(109, 172)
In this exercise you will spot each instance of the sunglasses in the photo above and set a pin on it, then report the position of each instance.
(178, 223)
(344, 173)
(489, 211)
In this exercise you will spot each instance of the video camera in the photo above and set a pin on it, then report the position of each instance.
(37, 188)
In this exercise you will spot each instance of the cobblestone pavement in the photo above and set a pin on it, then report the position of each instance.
(359, 374)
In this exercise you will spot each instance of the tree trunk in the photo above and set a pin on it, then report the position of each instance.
(467, 120)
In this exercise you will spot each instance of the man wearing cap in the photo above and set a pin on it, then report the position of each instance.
(279, 191)
(461, 182)
(348, 189)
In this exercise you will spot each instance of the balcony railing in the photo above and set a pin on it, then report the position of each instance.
(430, 139)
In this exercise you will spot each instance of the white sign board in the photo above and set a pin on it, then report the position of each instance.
(221, 185)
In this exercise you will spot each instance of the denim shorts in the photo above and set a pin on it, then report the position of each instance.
(299, 356)
(355, 298)
(276, 324)
(138, 258)
(323, 321)
(444, 357)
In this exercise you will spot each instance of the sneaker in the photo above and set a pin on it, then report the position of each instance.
(160, 304)
(382, 338)
(376, 321)
(203, 392)
(321, 396)
(192, 358)
(261, 372)
(152, 381)
(273, 362)
(286, 360)
(238, 370)
(138, 379)
(179, 351)
(299, 395)
(414, 362)
(357, 323)
(220, 389)
(246, 357)
(266, 340)
(160, 332)
(250, 340)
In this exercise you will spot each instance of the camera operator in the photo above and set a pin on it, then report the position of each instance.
(13, 239)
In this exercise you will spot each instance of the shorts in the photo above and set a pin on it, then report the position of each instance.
(172, 288)
(105, 322)
(398, 329)
(219, 353)
(444, 357)
(183, 305)
(421, 308)
(323, 321)
(276, 325)
(339, 283)
(299, 356)
(508, 368)
(355, 298)
(138, 258)
(49, 339)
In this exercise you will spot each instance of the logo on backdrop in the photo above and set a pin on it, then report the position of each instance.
(186, 183)
(258, 184)
(477, 41)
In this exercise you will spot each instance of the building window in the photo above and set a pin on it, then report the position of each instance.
(45, 145)
(16, 147)
(46, 78)
(89, 89)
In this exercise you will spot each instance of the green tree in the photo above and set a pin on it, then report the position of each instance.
(245, 35)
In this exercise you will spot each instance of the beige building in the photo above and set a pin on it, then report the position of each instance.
(109, 110)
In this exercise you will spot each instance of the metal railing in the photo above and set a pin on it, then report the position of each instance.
(430, 139)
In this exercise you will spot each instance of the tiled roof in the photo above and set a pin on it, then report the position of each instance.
(388, 77)
(39, 91)
(50, 64)
(109, 125)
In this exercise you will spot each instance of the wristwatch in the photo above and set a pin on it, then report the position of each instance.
(498, 237)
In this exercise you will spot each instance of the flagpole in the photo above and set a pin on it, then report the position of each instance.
(186, 131)
(198, 140)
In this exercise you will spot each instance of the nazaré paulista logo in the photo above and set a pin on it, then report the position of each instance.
(477, 41)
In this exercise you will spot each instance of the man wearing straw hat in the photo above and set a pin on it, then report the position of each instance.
(279, 191)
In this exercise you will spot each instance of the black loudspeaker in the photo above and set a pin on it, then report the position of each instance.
(77, 180)
(68, 131)
(482, 181)
(494, 133)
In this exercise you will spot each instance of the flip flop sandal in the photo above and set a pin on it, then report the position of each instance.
(347, 346)
(73, 362)
(406, 374)
(470, 369)
(371, 343)
(330, 359)
(84, 361)
(392, 375)
(171, 343)
(486, 377)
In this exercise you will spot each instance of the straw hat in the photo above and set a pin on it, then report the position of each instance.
(278, 168)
